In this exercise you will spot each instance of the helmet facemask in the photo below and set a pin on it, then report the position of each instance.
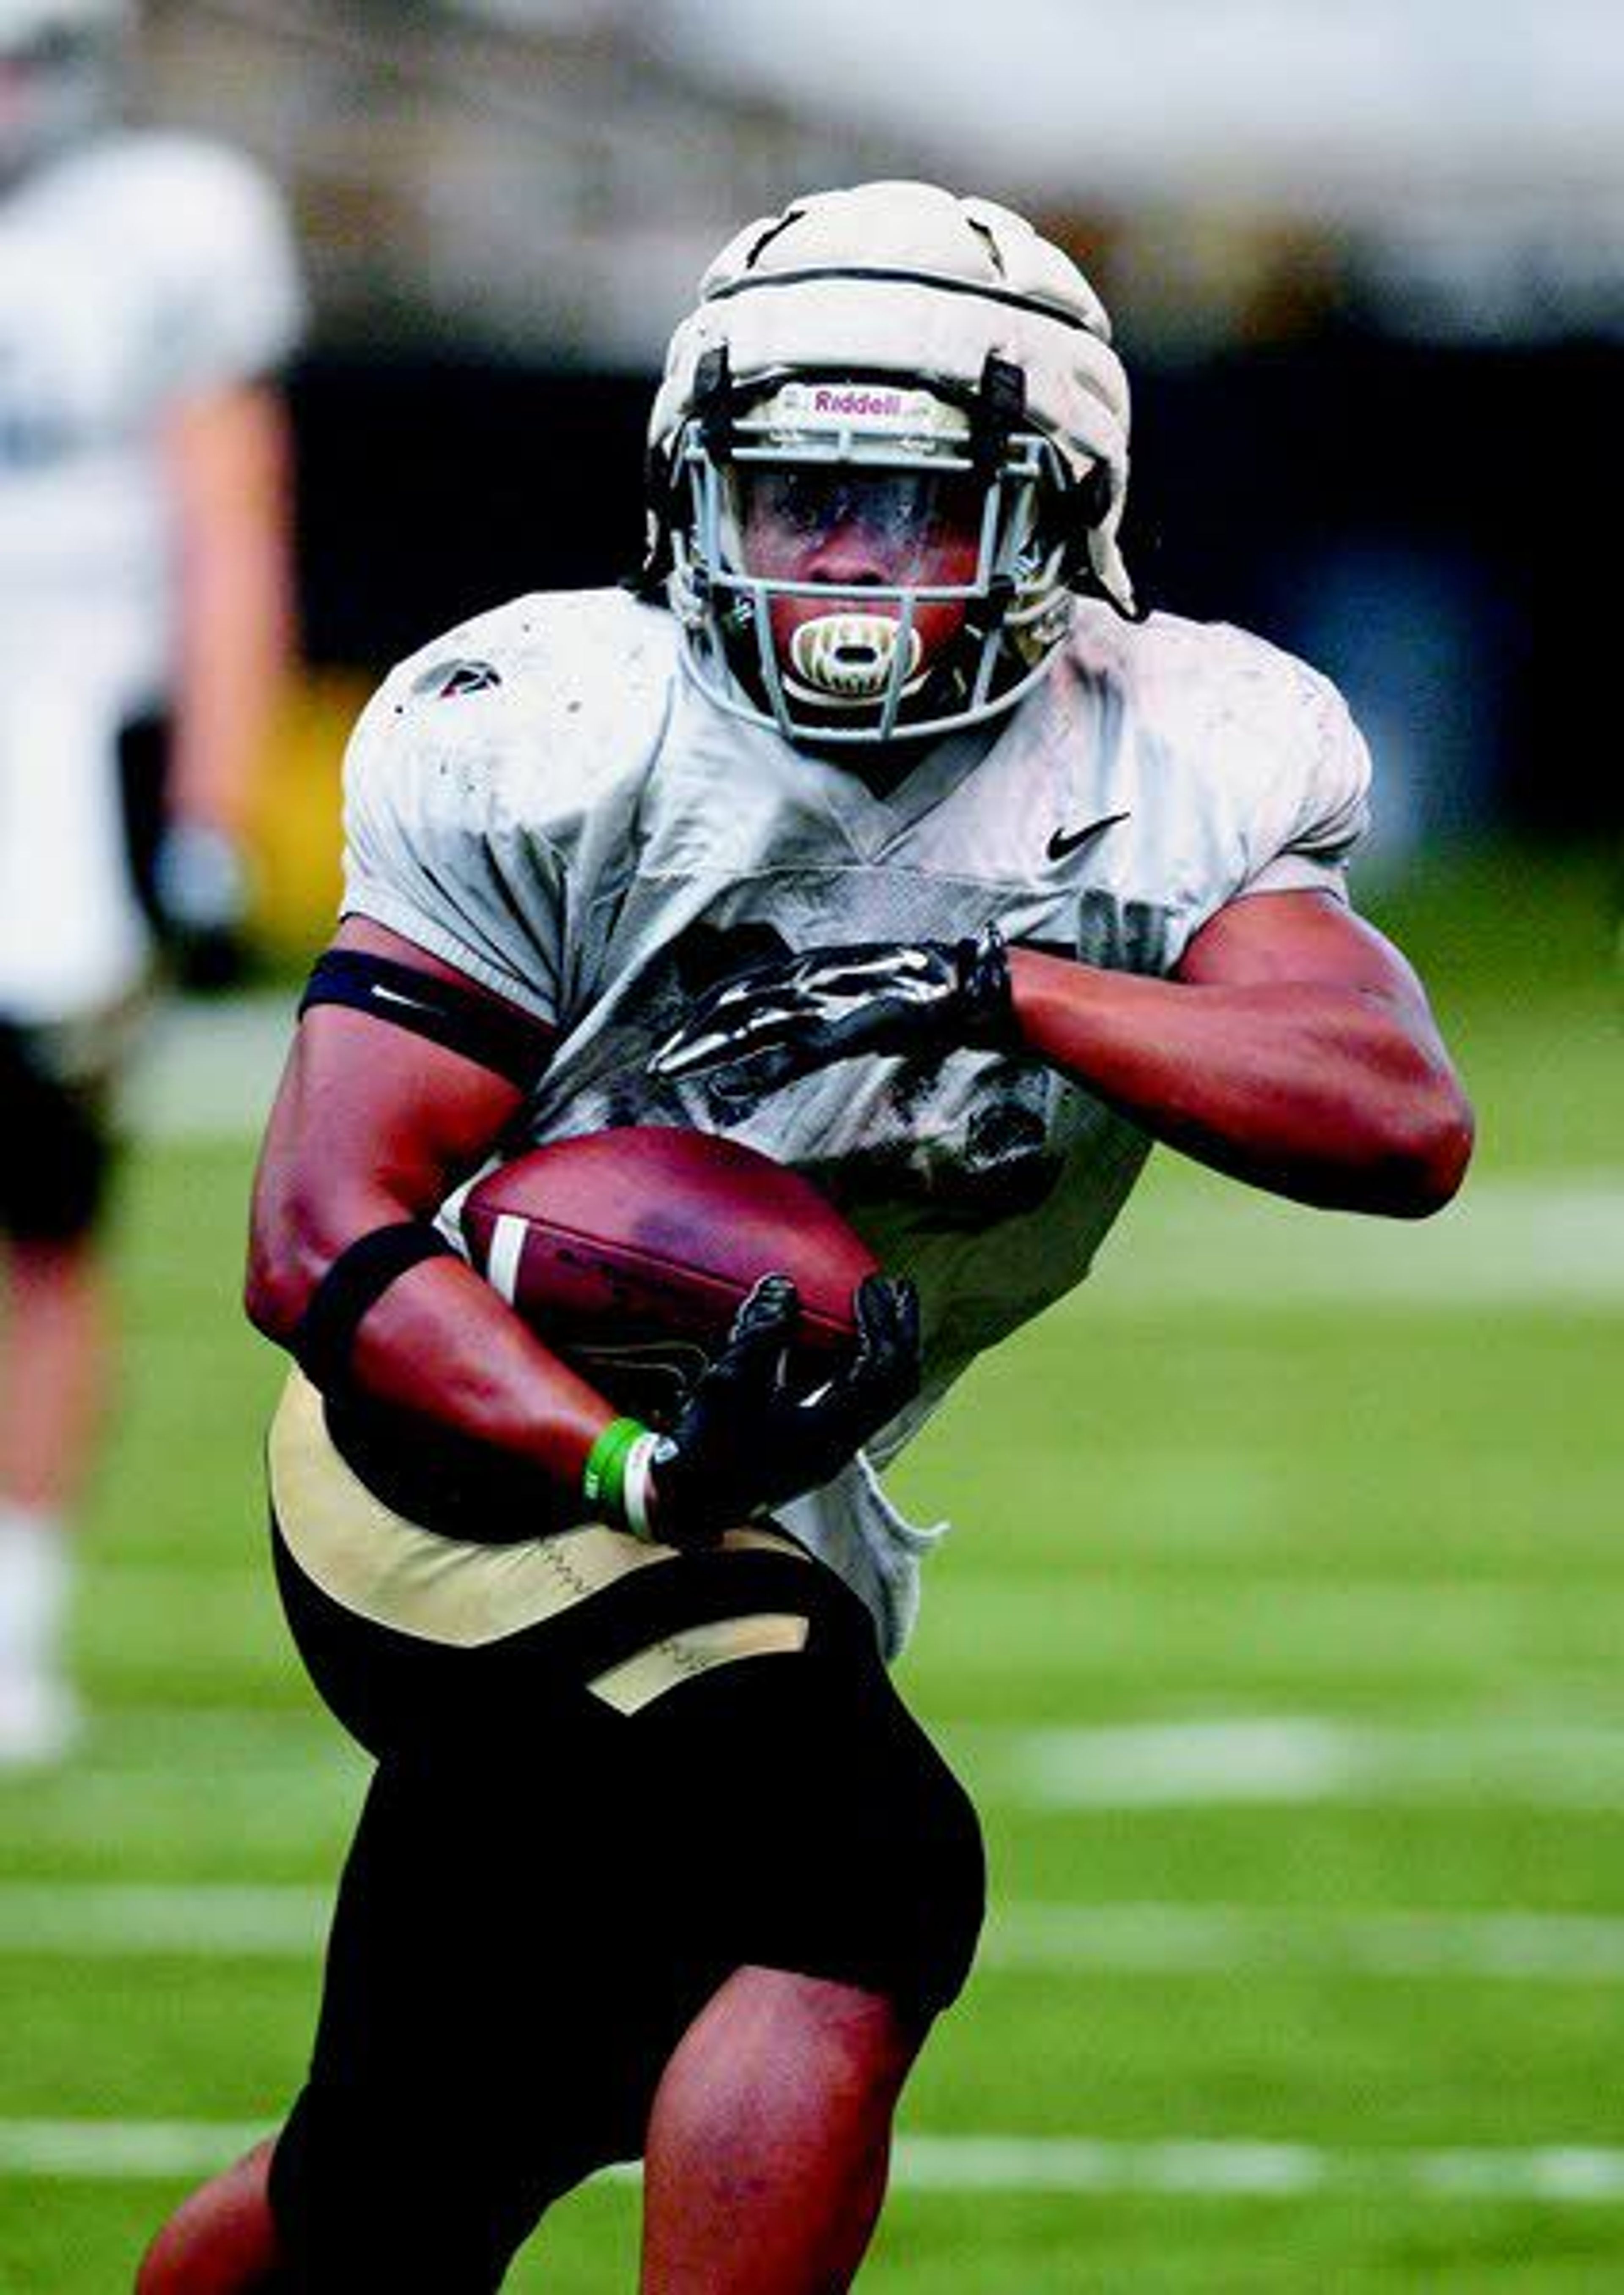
(863, 561)
(889, 332)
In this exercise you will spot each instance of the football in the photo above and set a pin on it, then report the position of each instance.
(630, 1252)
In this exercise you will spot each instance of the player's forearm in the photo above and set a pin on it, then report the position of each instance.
(1332, 1095)
(372, 1128)
(439, 1342)
(236, 655)
(237, 621)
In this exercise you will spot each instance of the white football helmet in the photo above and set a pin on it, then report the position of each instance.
(917, 366)
(63, 66)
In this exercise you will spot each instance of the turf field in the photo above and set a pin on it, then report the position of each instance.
(1279, 1637)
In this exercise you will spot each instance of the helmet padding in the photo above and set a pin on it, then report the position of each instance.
(908, 279)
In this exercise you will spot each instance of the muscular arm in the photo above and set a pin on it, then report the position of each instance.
(374, 1125)
(1295, 1049)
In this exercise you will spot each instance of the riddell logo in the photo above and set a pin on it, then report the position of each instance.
(857, 402)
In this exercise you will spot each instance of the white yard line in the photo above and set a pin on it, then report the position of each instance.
(1204, 2168)
(120, 2151)
(1183, 1939)
(95, 1920)
(281, 1767)
(211, 1920)
(1513, 1239)
(1296, 1760)
(208, 1068)
(123, 2150)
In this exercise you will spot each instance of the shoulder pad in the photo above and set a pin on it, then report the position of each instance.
(532, 713)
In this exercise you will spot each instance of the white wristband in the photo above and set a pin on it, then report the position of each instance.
(636, 1476)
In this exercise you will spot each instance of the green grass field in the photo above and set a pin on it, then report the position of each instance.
(1279, 1637)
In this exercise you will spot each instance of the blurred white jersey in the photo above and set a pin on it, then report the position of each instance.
(543, 799)
(137, 272)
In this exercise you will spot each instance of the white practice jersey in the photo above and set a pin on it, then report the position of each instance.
(137, 272)
(543, 799)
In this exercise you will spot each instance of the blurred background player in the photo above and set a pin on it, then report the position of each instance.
(149, 290)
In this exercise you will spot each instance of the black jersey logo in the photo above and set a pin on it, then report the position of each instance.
(450, 681)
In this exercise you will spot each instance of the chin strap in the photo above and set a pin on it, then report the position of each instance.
(997, 412)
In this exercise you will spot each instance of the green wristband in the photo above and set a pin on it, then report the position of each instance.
(603, 1476)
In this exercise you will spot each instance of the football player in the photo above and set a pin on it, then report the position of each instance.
(879, 828)
(148, 292)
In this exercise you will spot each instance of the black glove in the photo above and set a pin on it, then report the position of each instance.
(745, 1441)
(783, 1018)
(202, 896)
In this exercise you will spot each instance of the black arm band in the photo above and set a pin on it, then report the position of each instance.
(354, 1282)
(509, 1042)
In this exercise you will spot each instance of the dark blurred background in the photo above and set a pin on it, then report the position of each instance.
(1367, 263)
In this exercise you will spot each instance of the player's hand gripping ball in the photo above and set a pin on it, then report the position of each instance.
(639, 1254)
(746, 1440)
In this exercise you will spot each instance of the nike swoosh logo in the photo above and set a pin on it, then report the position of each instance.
(393, 996)
(1065, 842)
